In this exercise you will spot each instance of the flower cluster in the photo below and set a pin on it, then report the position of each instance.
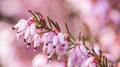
(28, 29)
(55, 43)
(79, 57)
(33, 31)
(36, 31)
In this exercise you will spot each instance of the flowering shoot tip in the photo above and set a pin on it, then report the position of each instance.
(37, 31)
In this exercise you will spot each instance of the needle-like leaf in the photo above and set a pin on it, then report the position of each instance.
(57, 26)
(53, 23)
(69, 32)
(49, 21)
(83, 40)
(79, 37)
(33, 14)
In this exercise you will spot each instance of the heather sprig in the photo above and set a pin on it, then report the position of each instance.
(40, 31)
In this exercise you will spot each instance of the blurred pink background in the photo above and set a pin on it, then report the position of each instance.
(98, 20)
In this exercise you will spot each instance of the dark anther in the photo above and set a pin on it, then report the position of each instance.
(17, 32)
(54, 46)
(24, 40)
(13, 28)
(46, 44)
(48, 54)
(50, 58)
(63, 45)
(28, 43)
(35, 47)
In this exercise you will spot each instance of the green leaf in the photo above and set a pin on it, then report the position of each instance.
(69, 32)
(54, 24)
(106, 62)
(49, 21)
(94, 51)
(83, 40)
(48, 29)
(79, 37)
(57, 26)
(100, 55)
(33, 14)
(39, 14)
(44, 32)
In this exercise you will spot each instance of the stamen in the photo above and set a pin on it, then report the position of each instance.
(28, 43)
(63, 45)
(24, 40)
(50, 58)
(48, 54)
(35, 49)
(54, 46)
(13, 28)
(46, 44)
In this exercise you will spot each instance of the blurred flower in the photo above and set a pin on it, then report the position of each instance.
(115, 16)
(40, 60)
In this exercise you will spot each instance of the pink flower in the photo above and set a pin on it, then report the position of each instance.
(27, 28)
(49, 37)
(50, 51)
(89, 62)
(61, 38)
(75, 57)
(53, 41)
(37, 41)
(60, 50)
(79, 57)
(19, 24)
(56, 43)
(83, 51)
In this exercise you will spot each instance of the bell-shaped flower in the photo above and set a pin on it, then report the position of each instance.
(59, 51)
(27, 34)
(50, 51)
(44, 37)
(77, 56)
(89, 62)
(55, 41)
(49, 36)
(27, 29)
(83, 51)
(61, 38)
(23, 26)
(20, 22)
(72, 59)
(37, 41)
(32, 29)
